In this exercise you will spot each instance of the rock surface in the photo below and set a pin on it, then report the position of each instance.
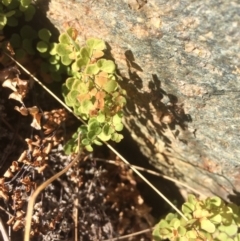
(180, 66)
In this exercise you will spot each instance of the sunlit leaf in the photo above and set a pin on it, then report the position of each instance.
(104, 137)
(42, 46)
(89, 148)
(188, 207)
(92, 69)
(66, 60)
(118, 127)
(207, 225)
(86, 52)
(97, 54)
(64, 39)
(63, 49)
(98, 143)
(229, 230)
(101, 117)
(107, 66)
(110, 86)
(97, 44)
(116, 137)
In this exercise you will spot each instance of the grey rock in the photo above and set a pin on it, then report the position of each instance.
(180, 62)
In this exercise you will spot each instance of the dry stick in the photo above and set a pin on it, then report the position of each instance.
(3, 231)
(154, 173)
(108, 145)
(130, 235)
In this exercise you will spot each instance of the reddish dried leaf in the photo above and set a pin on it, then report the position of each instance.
(101, 79)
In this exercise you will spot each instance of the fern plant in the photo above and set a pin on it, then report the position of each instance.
(207, 220)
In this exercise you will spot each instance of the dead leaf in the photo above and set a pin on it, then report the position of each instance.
(16, 96)
(23, 110)
(9, 83)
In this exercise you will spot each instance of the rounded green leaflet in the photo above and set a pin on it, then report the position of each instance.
(118, 127)
(29, 13)
(25, 3)
(44, 34)
(63, 49)
(216, 201)
(86, 52)
(12, 21)
(175, 222)
(91, 135)
(101, 117)
(53, 49)
(28, 32)
(116, 137)
(92, 69)
(102, 136)
(65, 90)
(192, 199)
(207, 225)
(182, 230)
(15, 41)
(66, 60)
(27, 45)
(53, 59)
(89, 148)
(86, 106)
(19, 54)
(110, 86)
(191, 234)
(97, 142)
(69, 82)
(10, 13)
(6, 2)
(64, 39)
(42, 46)
(3, 20)
(86, 142)
(107, 66)
(229, 230)
(69, 146)
(73, 95)
(188, 207)
(216, 219)
(117, 118)
(94, 125)
(97, 44)
(108, 129)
